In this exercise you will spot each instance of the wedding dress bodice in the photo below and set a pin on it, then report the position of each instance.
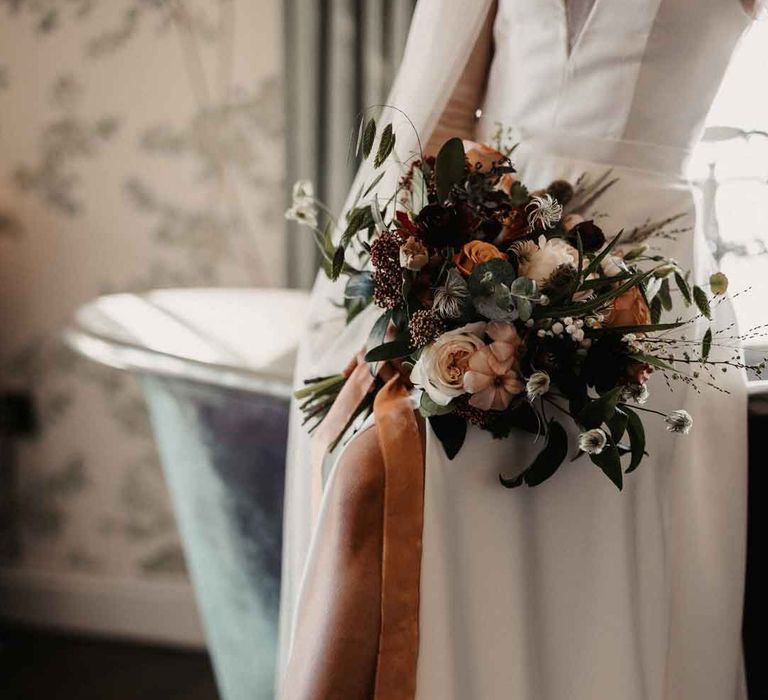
(634, 70)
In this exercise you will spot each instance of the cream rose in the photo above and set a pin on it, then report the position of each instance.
(442, 365)
(538, 262)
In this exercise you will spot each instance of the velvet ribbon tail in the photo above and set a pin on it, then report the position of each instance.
(401, 447)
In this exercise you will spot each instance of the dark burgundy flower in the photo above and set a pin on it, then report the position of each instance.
(605, 365)
(592, 236)
(442, 226)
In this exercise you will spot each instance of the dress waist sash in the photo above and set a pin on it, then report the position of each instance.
(668, 161)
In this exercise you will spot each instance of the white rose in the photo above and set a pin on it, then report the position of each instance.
(538, 264)
(441, 366)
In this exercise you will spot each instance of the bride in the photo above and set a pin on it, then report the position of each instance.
(570, 590)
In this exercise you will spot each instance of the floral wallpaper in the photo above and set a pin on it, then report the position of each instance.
(141, 147)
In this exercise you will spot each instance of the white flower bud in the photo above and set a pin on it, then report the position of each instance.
(593, 441)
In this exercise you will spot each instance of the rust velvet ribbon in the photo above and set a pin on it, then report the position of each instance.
(357, 628)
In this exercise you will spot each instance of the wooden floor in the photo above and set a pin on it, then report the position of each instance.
(47, 667)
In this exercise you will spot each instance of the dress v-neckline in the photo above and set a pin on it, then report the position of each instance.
(574, 33)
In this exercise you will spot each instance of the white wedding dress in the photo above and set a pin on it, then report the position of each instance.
(572, 590)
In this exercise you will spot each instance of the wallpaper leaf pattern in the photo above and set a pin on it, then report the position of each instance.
(180, 185)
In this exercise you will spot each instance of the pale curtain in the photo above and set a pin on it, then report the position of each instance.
(340, 57)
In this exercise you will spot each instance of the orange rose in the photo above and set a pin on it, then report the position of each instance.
(474, 253)
(478, 154)
(629, 309)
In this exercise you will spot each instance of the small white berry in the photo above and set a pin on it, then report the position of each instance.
(544, 300)
(567, 320)
(578, 335)
(570, 329)
(530, 323)
(579, 323)
(541, 333)
(557, 328)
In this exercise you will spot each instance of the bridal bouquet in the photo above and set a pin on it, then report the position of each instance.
(509, 310)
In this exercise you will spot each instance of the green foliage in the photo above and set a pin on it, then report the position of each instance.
(550, 458)
(636, 434)
(451, 430)
(358, 293)
(450, 167)
(700, 297)
(682, 285)
(609, 461)
(393, 350)
(706, 344)
(490, 286)
(427, 407)
(664, 295)
(386, 144)
(369, 135)
(600, 410)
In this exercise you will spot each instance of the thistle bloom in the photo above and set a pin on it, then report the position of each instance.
(679, 421)
(303, 209)
(593, 441)
(635, 392)
(450, 297)
(544, 211)
(537, 385)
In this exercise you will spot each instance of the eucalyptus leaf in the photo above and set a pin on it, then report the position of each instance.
(360, 286)
(450, 167)
(428, 407)
(706, 344)
(718, 283)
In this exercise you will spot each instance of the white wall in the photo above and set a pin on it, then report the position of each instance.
(138, 149)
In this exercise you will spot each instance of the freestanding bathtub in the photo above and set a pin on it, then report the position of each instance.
(215, 367)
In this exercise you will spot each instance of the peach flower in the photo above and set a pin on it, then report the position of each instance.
(491, 377)
(413, 254)
(474, 253)
(482, 155)
(506, 181)
(629, 309)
